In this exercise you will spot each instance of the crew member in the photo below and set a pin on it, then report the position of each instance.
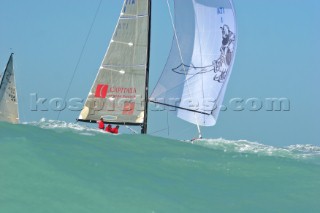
(115, 130)
(100, 123)
(109, 128)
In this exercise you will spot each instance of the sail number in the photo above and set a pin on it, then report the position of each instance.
(123, 26)
(128, 2)
(220, 10)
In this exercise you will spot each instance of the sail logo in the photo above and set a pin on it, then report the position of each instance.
(219, 68)
(101, 91)
(128, 108)
(220, 10)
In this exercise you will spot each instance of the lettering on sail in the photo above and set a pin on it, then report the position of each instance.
(128, 2)
(115, 98)
(123, 92)
(10, 91)
(104, 91)
(12, 94)
(126, 94)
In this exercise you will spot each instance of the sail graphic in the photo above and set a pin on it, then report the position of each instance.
(119, 91)
(198, 69)
(8, 95)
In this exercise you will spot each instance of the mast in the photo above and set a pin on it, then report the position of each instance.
(145, 119)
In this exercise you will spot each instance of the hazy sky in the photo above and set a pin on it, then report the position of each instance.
(277, 57)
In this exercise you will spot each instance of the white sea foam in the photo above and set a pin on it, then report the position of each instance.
(298, 151)
(62, 125)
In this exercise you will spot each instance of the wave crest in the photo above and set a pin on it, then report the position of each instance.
(64, 126)
(299, 151)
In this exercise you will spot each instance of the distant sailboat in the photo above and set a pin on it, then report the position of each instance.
(8, 95)
(194, 79)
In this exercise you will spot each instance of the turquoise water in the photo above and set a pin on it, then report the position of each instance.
(57, 167)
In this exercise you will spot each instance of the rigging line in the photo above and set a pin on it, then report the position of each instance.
(161, 130)
(168, 122)
(132, 130)
(175, 34)
(152, 133)
(81, 54)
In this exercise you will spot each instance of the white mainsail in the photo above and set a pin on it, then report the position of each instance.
(198, 69)
(119, 91)
(8, 95)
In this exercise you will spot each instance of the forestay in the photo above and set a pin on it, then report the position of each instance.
(198, 68)
(8, 95)
(119, 90)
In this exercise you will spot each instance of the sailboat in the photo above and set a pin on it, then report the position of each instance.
(8, 95)
(194, 79)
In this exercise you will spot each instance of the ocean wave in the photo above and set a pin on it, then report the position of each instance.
(299, 151)
(65, 126)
